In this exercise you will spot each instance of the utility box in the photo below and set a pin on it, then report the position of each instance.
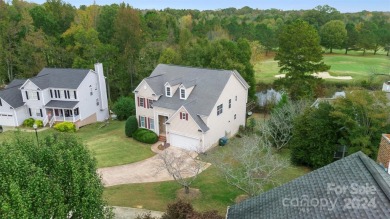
(223, 141)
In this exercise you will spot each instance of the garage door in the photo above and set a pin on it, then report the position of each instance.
(6, 120)
(184, 142)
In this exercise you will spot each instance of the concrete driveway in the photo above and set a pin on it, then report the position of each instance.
(148, 170)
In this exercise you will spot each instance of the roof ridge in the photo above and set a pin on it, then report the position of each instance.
(186, 66)
(375, 174)
(7, 87)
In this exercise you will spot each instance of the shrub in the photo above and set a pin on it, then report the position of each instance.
(145, 136)
(28, 122)
(124, 107)
(131, 126)
(65, 127)
(39, 123)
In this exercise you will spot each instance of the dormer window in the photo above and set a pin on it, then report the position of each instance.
(168, 91)
(182, 93)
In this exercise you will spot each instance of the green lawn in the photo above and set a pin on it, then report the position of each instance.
(109, 144)
(353, 64)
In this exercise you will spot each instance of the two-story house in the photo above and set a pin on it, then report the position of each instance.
(56, 95)
(191, 108)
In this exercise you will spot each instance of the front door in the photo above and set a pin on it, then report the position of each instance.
(161, 124)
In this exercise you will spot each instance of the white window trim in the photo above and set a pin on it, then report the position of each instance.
(184, 90)
(170, 91)
(33, 95)
(142, 102)
(151, 123)
(142, 122)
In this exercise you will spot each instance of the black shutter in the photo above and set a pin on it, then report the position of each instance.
(27, 95)
(38, 95)
(40, 110)
(51, 93)
(0, 103)
(66, 96)
(59, 94)
(75, 95)
(29, 110)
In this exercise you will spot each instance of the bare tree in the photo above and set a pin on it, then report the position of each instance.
(182, 166)
(250, 164)
(278, 128)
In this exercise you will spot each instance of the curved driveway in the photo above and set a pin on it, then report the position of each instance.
(148, 170)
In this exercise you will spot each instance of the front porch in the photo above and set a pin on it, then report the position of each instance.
(61, 112)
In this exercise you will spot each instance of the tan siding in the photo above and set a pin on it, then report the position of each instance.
(183, 127)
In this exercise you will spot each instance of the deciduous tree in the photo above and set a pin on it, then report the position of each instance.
(333, 34)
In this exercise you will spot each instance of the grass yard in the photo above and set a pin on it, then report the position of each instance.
(353, 64)
(109, 144)
(216, 193)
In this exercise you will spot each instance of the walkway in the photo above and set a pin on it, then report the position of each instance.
(148, 170)
(132, 213)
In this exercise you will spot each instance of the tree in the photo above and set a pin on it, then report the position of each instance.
(53, 179)
(364, 115)
(299, 51)
(352, 37)
(250, 165)
(124, 107)
(278, 128)
(367, 38)
(131, 126)
(184, 210)
(333, 34)
(314, 137)
(183, 167)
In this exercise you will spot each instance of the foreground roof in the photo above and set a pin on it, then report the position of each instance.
(11, 93)
(208, 85)
(59, 78)
(353, 187)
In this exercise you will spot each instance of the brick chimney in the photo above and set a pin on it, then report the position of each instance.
(384, 151)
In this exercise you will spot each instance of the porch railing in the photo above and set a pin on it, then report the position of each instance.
(52, 120)
(45, 121)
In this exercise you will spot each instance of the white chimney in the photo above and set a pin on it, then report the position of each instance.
(102, 86)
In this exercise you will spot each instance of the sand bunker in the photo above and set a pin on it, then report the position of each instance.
(323, 75)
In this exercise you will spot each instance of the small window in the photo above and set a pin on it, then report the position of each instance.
(76, 111)
(183, 115)
(90, 90)
(230, 103)
(235, 116)
(168, 91)
(142, 102)
(182, 93)
(97, 101)
(219, 109)
(150, 104)
(151, 124)
(236, 98)
(142, 121)
(38, 112)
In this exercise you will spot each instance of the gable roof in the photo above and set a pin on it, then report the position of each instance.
(59, 78)
(11, 93)
(209, 84)
(356, 168)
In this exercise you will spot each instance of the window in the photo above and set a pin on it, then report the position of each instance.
(97, 101)
(168, 91)
(33, 95)
(219, 109)
(142, 102)
(90, 90)
(76, 111)
(235, 116)
(57, 94)
(142, 121)
(38, 112)
(150, 104)
(182, 93)
(151, 124)
(51, 93)
(183, 115)
(236, 98)
(230, 103)
(66, 94)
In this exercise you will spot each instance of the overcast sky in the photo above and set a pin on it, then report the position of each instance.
(341, 5)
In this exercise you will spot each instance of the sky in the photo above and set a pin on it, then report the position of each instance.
(341, 5)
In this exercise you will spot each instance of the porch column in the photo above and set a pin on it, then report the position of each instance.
(73, 115)
(63, 114)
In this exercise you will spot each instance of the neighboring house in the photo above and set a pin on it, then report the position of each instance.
(330, 100)
(56, 95)
(353, 187)
(192, 108)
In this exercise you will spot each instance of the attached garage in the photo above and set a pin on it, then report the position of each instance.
(184, 142)
(6, 120)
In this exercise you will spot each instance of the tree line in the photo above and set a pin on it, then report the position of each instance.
(131, 42)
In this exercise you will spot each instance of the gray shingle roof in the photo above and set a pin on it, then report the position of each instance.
(62, 104)
(209, 84)
(11, 93)
(60, 78)
(356, 169)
